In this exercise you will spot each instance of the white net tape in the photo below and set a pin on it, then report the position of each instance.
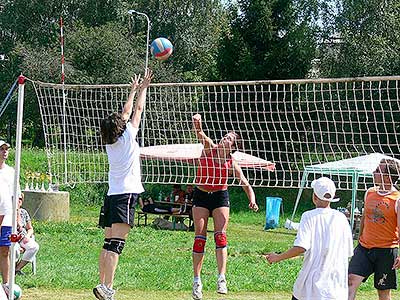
(291, 123)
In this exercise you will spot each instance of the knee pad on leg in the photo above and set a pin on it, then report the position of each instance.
(199, 244)
(220, 239)
(106, 244)
(117, 245)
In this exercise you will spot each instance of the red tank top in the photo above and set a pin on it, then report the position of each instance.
(211, 175)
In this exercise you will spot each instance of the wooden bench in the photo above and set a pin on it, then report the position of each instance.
(143, 216)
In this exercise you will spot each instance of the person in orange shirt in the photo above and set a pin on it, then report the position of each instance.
(378, 245)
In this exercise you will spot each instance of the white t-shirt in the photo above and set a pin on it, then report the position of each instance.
(6, 193)
(325, 234)
(124, 175)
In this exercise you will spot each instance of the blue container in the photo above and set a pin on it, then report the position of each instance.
(272, 206)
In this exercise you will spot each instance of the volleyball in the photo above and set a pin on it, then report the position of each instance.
(17, 292)
(161, 48)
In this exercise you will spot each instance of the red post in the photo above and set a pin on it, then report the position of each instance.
(21, 79)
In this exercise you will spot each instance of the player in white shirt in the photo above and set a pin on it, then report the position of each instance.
(325, 238)
(6, 192)
(124, 180)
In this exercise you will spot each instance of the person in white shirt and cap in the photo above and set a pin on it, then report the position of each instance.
(325, 238)
(6, 192)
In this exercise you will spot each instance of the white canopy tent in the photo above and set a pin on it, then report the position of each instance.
(356, 167)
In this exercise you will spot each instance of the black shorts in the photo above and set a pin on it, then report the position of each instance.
(120, 209)
(210, 200)
(378, 261)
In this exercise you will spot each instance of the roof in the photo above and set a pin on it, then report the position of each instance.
(362, 165)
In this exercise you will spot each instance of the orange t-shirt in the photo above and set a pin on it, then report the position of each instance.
(380, 220)
(212, 175)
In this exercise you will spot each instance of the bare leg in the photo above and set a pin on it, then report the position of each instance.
(21, 264)
(354, 283)
(111, 265)
(118, 230)
(161, 210)
(200, 219)
(4, 262)
(384, 294)
(102, 257)
(221, 219)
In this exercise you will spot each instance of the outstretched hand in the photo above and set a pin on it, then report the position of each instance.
(148, 76)
(197, 121)
(271, 257)
(135, 82)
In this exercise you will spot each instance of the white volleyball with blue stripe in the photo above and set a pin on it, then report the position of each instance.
(161, 48)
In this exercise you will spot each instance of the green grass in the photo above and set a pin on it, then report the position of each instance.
(156, 264)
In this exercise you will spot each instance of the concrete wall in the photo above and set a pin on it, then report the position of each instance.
(47, 206)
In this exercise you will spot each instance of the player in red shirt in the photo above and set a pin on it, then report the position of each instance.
(211, 199)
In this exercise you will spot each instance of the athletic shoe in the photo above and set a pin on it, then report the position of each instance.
(196, 291)
(221, 286)
(103, 293)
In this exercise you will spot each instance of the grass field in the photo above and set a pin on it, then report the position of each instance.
(49, 294)
(156, 264)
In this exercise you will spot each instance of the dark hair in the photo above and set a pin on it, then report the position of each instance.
(238, 144)
(392, 169)
(112, 127)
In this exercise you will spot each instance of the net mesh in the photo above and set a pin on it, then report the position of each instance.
(291, 123)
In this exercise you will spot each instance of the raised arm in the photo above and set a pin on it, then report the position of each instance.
(246, 186)
(141, 99)
(127, 110)
(202, 137)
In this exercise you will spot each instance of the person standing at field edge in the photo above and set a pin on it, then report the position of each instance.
(124, 182)
(6, 196)
(325, 238)
(379, 234)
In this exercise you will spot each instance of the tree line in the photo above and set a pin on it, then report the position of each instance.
(214, 40)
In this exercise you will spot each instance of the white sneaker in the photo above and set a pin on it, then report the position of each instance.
(197, 294)
(103, 293)
(221, 286)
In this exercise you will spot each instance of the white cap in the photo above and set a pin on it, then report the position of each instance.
(4, 143)
(324, 189)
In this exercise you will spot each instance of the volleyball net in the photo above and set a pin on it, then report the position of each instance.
(292, 123)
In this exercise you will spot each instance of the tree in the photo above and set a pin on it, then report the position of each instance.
(195, 28)
(268, 39)
(367, 40)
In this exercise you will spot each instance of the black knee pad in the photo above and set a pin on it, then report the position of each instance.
(106, 244)
(117, 245)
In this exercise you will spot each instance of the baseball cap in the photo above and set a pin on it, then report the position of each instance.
(324, 189)
(4, 143)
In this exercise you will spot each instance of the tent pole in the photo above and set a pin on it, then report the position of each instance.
(353, 198)
(302, 185)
